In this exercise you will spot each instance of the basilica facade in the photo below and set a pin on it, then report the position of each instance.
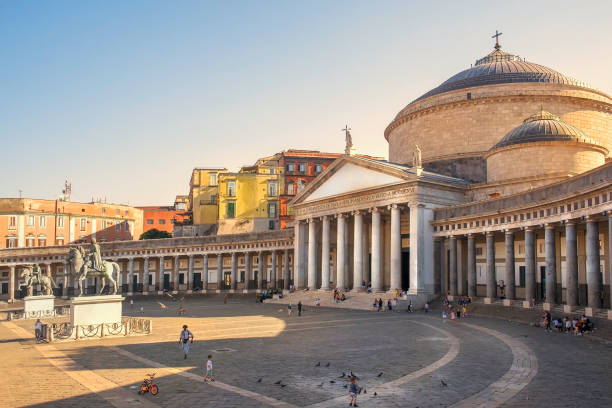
(498, 185)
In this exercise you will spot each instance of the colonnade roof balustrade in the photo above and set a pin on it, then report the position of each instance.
(184, 246)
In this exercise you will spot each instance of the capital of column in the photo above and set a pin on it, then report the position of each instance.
(324, 218)
(453, 237)
(340, 215)
(509, 231)
(357, 212)
(394, 206)
(549, 226)
(374, 210)
(416, 205)
(310, 220)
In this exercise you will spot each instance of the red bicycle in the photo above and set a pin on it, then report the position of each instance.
(148, 385)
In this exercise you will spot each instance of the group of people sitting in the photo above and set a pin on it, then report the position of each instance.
(339, 295)
(568, 325)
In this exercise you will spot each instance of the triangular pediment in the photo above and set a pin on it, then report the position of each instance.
(348, 175)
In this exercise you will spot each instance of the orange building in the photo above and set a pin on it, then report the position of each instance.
(27, 222)
(163, 218)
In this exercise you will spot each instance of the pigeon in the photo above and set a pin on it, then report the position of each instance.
(259, 380)
(365, 391)
(343, 375)
(283, 385)
(318, 364)
(320, 385)
(380, 374)
(375, 394)
(332, 382)
(353, 375)
(344, 386)
(278, 382)
(327, 365)
(442, 383)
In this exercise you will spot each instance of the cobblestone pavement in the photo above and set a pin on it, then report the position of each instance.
(424, 361)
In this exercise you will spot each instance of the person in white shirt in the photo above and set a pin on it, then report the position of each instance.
(185, 338)
(209, 368)
(38, 330)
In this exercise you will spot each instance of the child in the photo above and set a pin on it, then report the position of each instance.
(353, 390)
(289, 309)
(209, 373)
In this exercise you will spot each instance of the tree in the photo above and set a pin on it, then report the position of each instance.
(154, 233)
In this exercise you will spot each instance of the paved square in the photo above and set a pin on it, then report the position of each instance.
(424, 361)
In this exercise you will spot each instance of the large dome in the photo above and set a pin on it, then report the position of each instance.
(543, 127)
(500, 67)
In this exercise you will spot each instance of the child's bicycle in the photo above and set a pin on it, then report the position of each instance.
(148, 385)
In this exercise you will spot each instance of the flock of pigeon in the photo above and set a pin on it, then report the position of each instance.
(343, 377)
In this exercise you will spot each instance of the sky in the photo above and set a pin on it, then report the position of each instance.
(125, 98)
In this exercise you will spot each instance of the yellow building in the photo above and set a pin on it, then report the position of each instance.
(203, 196)
(249, 199)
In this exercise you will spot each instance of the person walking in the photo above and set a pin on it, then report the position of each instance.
(380, 305)
(38, 330)
(209, 368)
(185, 338)
(300, 308)
(289, 309)
(353, 390)
(426, 307)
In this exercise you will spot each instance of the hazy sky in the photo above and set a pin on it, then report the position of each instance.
(124, 98)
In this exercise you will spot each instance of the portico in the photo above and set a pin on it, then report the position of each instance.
(369, 221)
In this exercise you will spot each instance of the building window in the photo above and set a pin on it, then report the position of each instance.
(271, 225)
(60, 222)
(83, 224)
(522, 276)
(478, 251)
(42, 221)
(212, 179)
(161, 221)
(291, 167)
(30, 220)
(469, 96)
(30, 240)
(271, 171)
(11, 242)
(213, 200)
(59, 241)
(231, 188)
(302, 168)
(150, 222)
(318, 168)
(181, 278)
(272, 210)
(231, 210)
(117, 212)
(290, 189)
(521, 249)
(272, 188)
(117, 227)
(12, 222)
(127, 226)
(103, 210)
(42, 241)
(127, 212)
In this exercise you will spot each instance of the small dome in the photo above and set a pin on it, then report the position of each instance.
(543, 127)
(500, 67)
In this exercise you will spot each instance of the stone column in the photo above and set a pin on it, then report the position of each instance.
(220, 284)
(471, 266)
(205, 272)
(160, 281)
(453, 265)
(49, 291)
(260, 270)
(190, 274)
(530, 265)
(66, 273)
(376, 270)
(11, 284)
(437, 262)
(571, 264)
(421, 251)
(340, 253)
(247, 271)
(396, 249)
(510, 277)
(286, 277)
(357, 251)
(312, 254)
(593, 272)
(131, 287)
(491, 279)
(551, 263)
(176, 273)
(298, 261)
(272, 283)
(233, 278)
(325, 270)
(146, 275)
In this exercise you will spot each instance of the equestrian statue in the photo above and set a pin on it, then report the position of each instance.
(33, 276)
(85, 264)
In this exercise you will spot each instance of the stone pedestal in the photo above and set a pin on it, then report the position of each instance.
(547, 306)
(568, 308)
(488, 301)
(526, 304)
(589, 311)
(38, 306)
(94, 310)
(507, 302)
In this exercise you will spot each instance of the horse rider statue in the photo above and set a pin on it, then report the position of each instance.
(95, 256)
(33, 276)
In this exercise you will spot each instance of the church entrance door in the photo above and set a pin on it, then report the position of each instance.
(405, 270)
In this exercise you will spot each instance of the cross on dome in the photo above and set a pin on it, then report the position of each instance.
(496, 36)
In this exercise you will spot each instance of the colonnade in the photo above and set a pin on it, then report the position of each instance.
(569, 229)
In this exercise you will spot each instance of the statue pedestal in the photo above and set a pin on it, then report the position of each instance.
(39, 306)
(94, 310)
